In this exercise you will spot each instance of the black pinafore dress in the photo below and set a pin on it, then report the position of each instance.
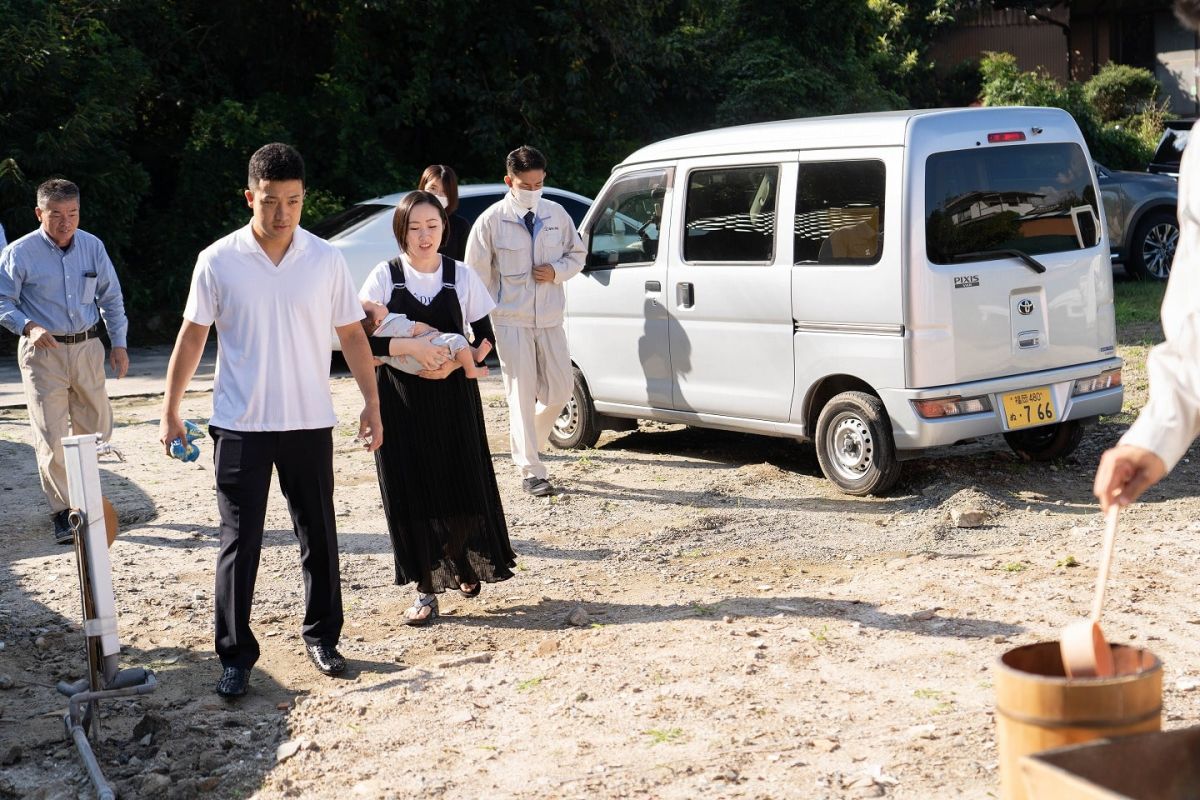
(439, 490)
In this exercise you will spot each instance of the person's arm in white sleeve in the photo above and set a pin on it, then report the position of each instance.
(571, 263)
(480, 256)
(1170, 421)
(198, 316)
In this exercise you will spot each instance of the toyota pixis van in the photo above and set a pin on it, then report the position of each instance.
(879, 284)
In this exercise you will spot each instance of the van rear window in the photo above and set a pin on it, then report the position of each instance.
(1036, 198)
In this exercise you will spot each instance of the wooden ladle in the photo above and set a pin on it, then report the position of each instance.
(1085, 653)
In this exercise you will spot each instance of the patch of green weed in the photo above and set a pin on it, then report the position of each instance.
(664, 735)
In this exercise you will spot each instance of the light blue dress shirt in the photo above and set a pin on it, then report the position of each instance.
(64, 291)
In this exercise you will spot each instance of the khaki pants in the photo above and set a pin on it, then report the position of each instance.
(536, 366)
(64, 392)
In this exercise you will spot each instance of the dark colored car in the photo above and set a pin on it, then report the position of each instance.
(1174, 139)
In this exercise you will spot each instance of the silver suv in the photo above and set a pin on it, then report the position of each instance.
(1143, 231)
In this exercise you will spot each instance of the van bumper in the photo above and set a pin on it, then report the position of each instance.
(913, 432)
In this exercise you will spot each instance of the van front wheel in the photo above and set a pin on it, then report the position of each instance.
(855, 446)
(1048, 442)
(576, 427)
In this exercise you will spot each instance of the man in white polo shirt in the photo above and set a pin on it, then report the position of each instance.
(274, 291)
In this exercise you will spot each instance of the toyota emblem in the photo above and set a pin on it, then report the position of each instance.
(1025, 307)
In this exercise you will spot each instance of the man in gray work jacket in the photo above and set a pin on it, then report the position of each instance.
(524, 247)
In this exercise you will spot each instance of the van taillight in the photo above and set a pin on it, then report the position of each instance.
(1007, 136)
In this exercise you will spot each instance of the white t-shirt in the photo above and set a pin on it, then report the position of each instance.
(473, 296)
(273, 325)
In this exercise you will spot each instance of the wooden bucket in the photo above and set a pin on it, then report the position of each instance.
(1039, 708)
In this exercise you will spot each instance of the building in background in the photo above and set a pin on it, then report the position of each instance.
(1073, 40)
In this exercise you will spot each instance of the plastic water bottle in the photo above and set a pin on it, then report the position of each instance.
(187, 451)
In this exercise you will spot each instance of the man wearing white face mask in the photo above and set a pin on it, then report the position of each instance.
(524, 247)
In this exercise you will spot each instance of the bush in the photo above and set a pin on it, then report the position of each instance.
(1124, 142)
(1119, 91)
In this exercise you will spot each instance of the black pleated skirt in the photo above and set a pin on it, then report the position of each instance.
(439, 490)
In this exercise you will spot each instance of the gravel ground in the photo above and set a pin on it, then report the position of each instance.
(698, 614)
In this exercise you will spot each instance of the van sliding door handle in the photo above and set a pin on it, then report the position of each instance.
(653, 286)
(684, 297)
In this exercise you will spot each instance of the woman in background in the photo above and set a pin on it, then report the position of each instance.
(440, 181)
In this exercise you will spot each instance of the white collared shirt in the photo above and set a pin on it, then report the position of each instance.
(473, 298)
(1170, 421)
(274, 325)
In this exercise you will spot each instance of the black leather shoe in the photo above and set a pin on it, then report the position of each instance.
(234, 681)
(62, 528)
(326, 658)
(538, 487)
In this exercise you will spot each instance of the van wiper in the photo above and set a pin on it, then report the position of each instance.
(1029, 260)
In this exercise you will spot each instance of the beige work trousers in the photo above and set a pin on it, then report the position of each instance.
(64, 392)
(536, 366)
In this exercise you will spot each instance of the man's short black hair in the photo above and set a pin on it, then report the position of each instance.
(523, 159)
(275, 162)
(1188, 12)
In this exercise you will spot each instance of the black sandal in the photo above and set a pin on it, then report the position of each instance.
(465, 569)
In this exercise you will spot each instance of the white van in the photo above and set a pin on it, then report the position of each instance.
(877, 283)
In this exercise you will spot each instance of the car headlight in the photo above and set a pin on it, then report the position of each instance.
(951, 406)
(1105, 380)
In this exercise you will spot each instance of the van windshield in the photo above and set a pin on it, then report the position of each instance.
(1035, 198)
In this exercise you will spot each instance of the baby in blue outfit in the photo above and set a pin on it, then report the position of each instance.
(380, 322)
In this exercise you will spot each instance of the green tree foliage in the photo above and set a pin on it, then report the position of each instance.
(1126, 143)
(68, 103)
(903, 34)
(153, 107)
(1118, 91)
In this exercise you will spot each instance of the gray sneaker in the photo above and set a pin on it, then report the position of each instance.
(538, 487)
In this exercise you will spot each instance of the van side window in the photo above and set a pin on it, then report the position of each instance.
(839, 212)
(627, 229)
(730, 215)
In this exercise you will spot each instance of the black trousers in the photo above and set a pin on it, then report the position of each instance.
(304, 459)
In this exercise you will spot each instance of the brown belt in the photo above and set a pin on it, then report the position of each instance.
(76, 338)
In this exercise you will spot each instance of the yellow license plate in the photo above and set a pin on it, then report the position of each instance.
(1029, 407)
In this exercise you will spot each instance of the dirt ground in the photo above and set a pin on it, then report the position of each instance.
(747, 631)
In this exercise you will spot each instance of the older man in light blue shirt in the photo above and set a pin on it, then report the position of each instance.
(56, 284)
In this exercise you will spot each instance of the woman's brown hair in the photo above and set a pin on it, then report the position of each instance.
(404, 211)
(445, 174)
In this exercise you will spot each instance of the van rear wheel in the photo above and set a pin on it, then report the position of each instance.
(1048, 442)
(855, 446)
(577, 426)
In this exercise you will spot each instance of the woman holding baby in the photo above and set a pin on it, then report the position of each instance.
(439, 490)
